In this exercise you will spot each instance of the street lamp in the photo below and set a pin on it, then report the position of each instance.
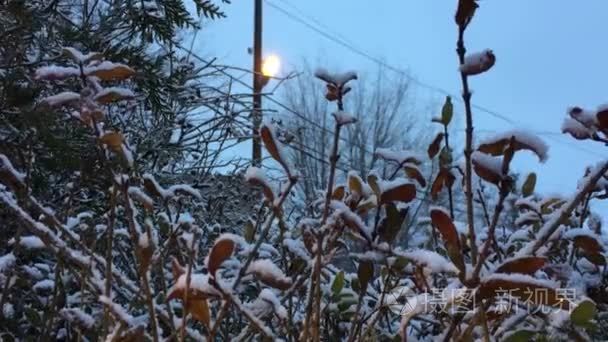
(270, 68)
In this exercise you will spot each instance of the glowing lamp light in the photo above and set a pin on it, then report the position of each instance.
(271, 66)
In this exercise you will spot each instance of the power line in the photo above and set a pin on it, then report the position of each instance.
(360, 52)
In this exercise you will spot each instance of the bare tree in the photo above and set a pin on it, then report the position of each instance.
(385, 117)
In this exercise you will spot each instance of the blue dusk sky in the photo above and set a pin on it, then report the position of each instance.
(550, 55)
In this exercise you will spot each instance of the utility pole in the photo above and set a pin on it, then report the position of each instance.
(256, 158)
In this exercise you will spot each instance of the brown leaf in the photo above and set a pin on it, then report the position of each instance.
(485, 173)
(108, 71)
(602, 119)
(413, 172)
(268, 193)
(273, 147)
(113, 140)
(338, 193)
(435, 145)
(153, 188)
(588, 244)
(199, 308)
(222, 249)
(278, 283)
(176, 268)
(442, 221)
(110, 96)
(438, 183)
(464, 13)
(525, 265)
(498, 147)
(402, 193)
(528, 291)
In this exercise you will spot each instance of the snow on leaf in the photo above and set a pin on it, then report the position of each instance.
(497, 144)
(183, 189)
(109, 71)
(431, 260)
(55, 73)
(297, 248)
(477, 63)
(343, 118)
(338, 79)
(398, 190)
(117, 311)
(140, 196)
(9, 175)
(79, 57)
(576, 129)
(256, 176)
(29, 242)
(399, 157)
(352, 220)
(61, 99)
(270, 297)
(585, 239)
(199, 287)
(44, 285)
(525, 265)
(269, 273)
(7, 261)
(78, 317)
(113, 94)
(487, 167)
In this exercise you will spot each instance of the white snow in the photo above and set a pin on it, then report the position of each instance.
(122, 93)
(520, 278)
(64, 98)
(342, 210)
(7, 261)
(386, 185)
(431, 260)
(44, 285)
(198, 282)
(344, 118)
(537, 144)
(79, 316)
(117, 310)
(174, 190)
(141, 196)
(400, 157)
(8, 310)
(576, 232)
(269, 296)
(493, 164)
(297, 247)
(338, 79)
(79, 56)
(576, 129)
(105, 66)
(265, 268)
(7, 166)
(478, 62)
(29, 242)
(585, 117)
(55, 72)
